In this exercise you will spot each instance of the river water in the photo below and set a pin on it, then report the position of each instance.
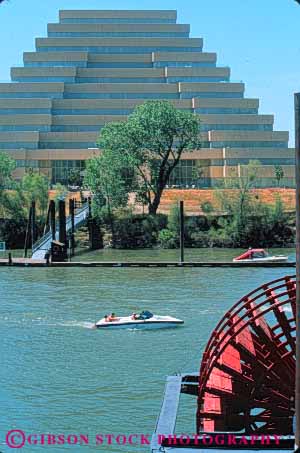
(59, 376)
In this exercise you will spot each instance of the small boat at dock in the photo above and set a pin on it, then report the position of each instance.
(150, 321)
(260, 256)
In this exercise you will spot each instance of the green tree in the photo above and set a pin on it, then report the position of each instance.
(110, 184)
(13, 204)
(106, 177)
(238, 204)
(61, 191)
(207, 207)
(35, 188)
(279, 173)
(174, 219)
(199, 171)
(167, 239)
(74, 177)
(245, 183)
(7, 166)
(11, 201)
(149, 146)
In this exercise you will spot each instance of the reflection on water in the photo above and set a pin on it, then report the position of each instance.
(59, 375)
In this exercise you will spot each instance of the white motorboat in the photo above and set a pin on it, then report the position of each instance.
(260, 256)
(145, 320)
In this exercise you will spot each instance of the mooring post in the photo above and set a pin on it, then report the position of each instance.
(27, 233)
(52, 219)
(72, 215)
(181, 213)
(62, 225)
(62, 221)
(33, 225)
(47, 223)
(297, 170)
(90, 207)
(9, 259)
(70, 248)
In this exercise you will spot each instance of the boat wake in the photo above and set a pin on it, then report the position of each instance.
(47, 323)
(82, 324)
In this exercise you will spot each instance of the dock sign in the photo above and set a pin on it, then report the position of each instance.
(2, 247)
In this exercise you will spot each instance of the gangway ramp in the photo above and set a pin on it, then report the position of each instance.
(43, 245)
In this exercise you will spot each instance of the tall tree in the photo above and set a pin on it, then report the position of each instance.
(7, 165)
(239, 202)
(11, 201)
(279, 173)
(149, 146)
(35, 188)
(105, 176)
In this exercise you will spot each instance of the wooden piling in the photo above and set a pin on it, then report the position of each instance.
(62, 222)
(63, 227)
(90, 207)
(181, 213)
(33, 223)
(72, 233)
(27, 236)
(52, 219)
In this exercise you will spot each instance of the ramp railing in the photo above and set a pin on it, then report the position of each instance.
(43, 245)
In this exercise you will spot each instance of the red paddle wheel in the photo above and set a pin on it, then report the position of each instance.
(247, 375)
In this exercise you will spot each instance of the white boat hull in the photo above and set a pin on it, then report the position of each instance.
(267, 259)
(156, 322)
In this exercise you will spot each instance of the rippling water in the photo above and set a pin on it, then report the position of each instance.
(59, 375)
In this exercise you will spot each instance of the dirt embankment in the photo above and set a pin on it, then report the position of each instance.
(194, 198)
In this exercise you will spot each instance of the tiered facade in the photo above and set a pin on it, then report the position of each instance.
(96, 66)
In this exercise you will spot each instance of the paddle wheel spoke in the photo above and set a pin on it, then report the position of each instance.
(248, 368)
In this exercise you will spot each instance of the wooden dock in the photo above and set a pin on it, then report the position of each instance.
(164, 439)
(29, 262)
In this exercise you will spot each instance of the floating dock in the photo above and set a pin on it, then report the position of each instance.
(29, 262)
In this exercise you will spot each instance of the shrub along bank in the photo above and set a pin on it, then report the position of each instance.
(267, 227)
(132, 231)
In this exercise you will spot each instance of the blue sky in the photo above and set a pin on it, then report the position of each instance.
(258, 39)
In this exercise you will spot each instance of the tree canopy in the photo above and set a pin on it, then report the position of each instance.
(140, 154)
(107, 181)
(16, 202)
(279, 173)
(11, 201)
(35, 188)
(7, 166)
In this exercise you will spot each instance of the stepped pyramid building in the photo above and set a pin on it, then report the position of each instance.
(96, 66)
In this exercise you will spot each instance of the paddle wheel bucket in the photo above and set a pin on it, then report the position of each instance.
(247, 374)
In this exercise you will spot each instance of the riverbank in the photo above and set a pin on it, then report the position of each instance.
(213, 218)
(194, 198)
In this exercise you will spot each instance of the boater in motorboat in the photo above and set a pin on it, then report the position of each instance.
(144, 320)
(260, 256)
